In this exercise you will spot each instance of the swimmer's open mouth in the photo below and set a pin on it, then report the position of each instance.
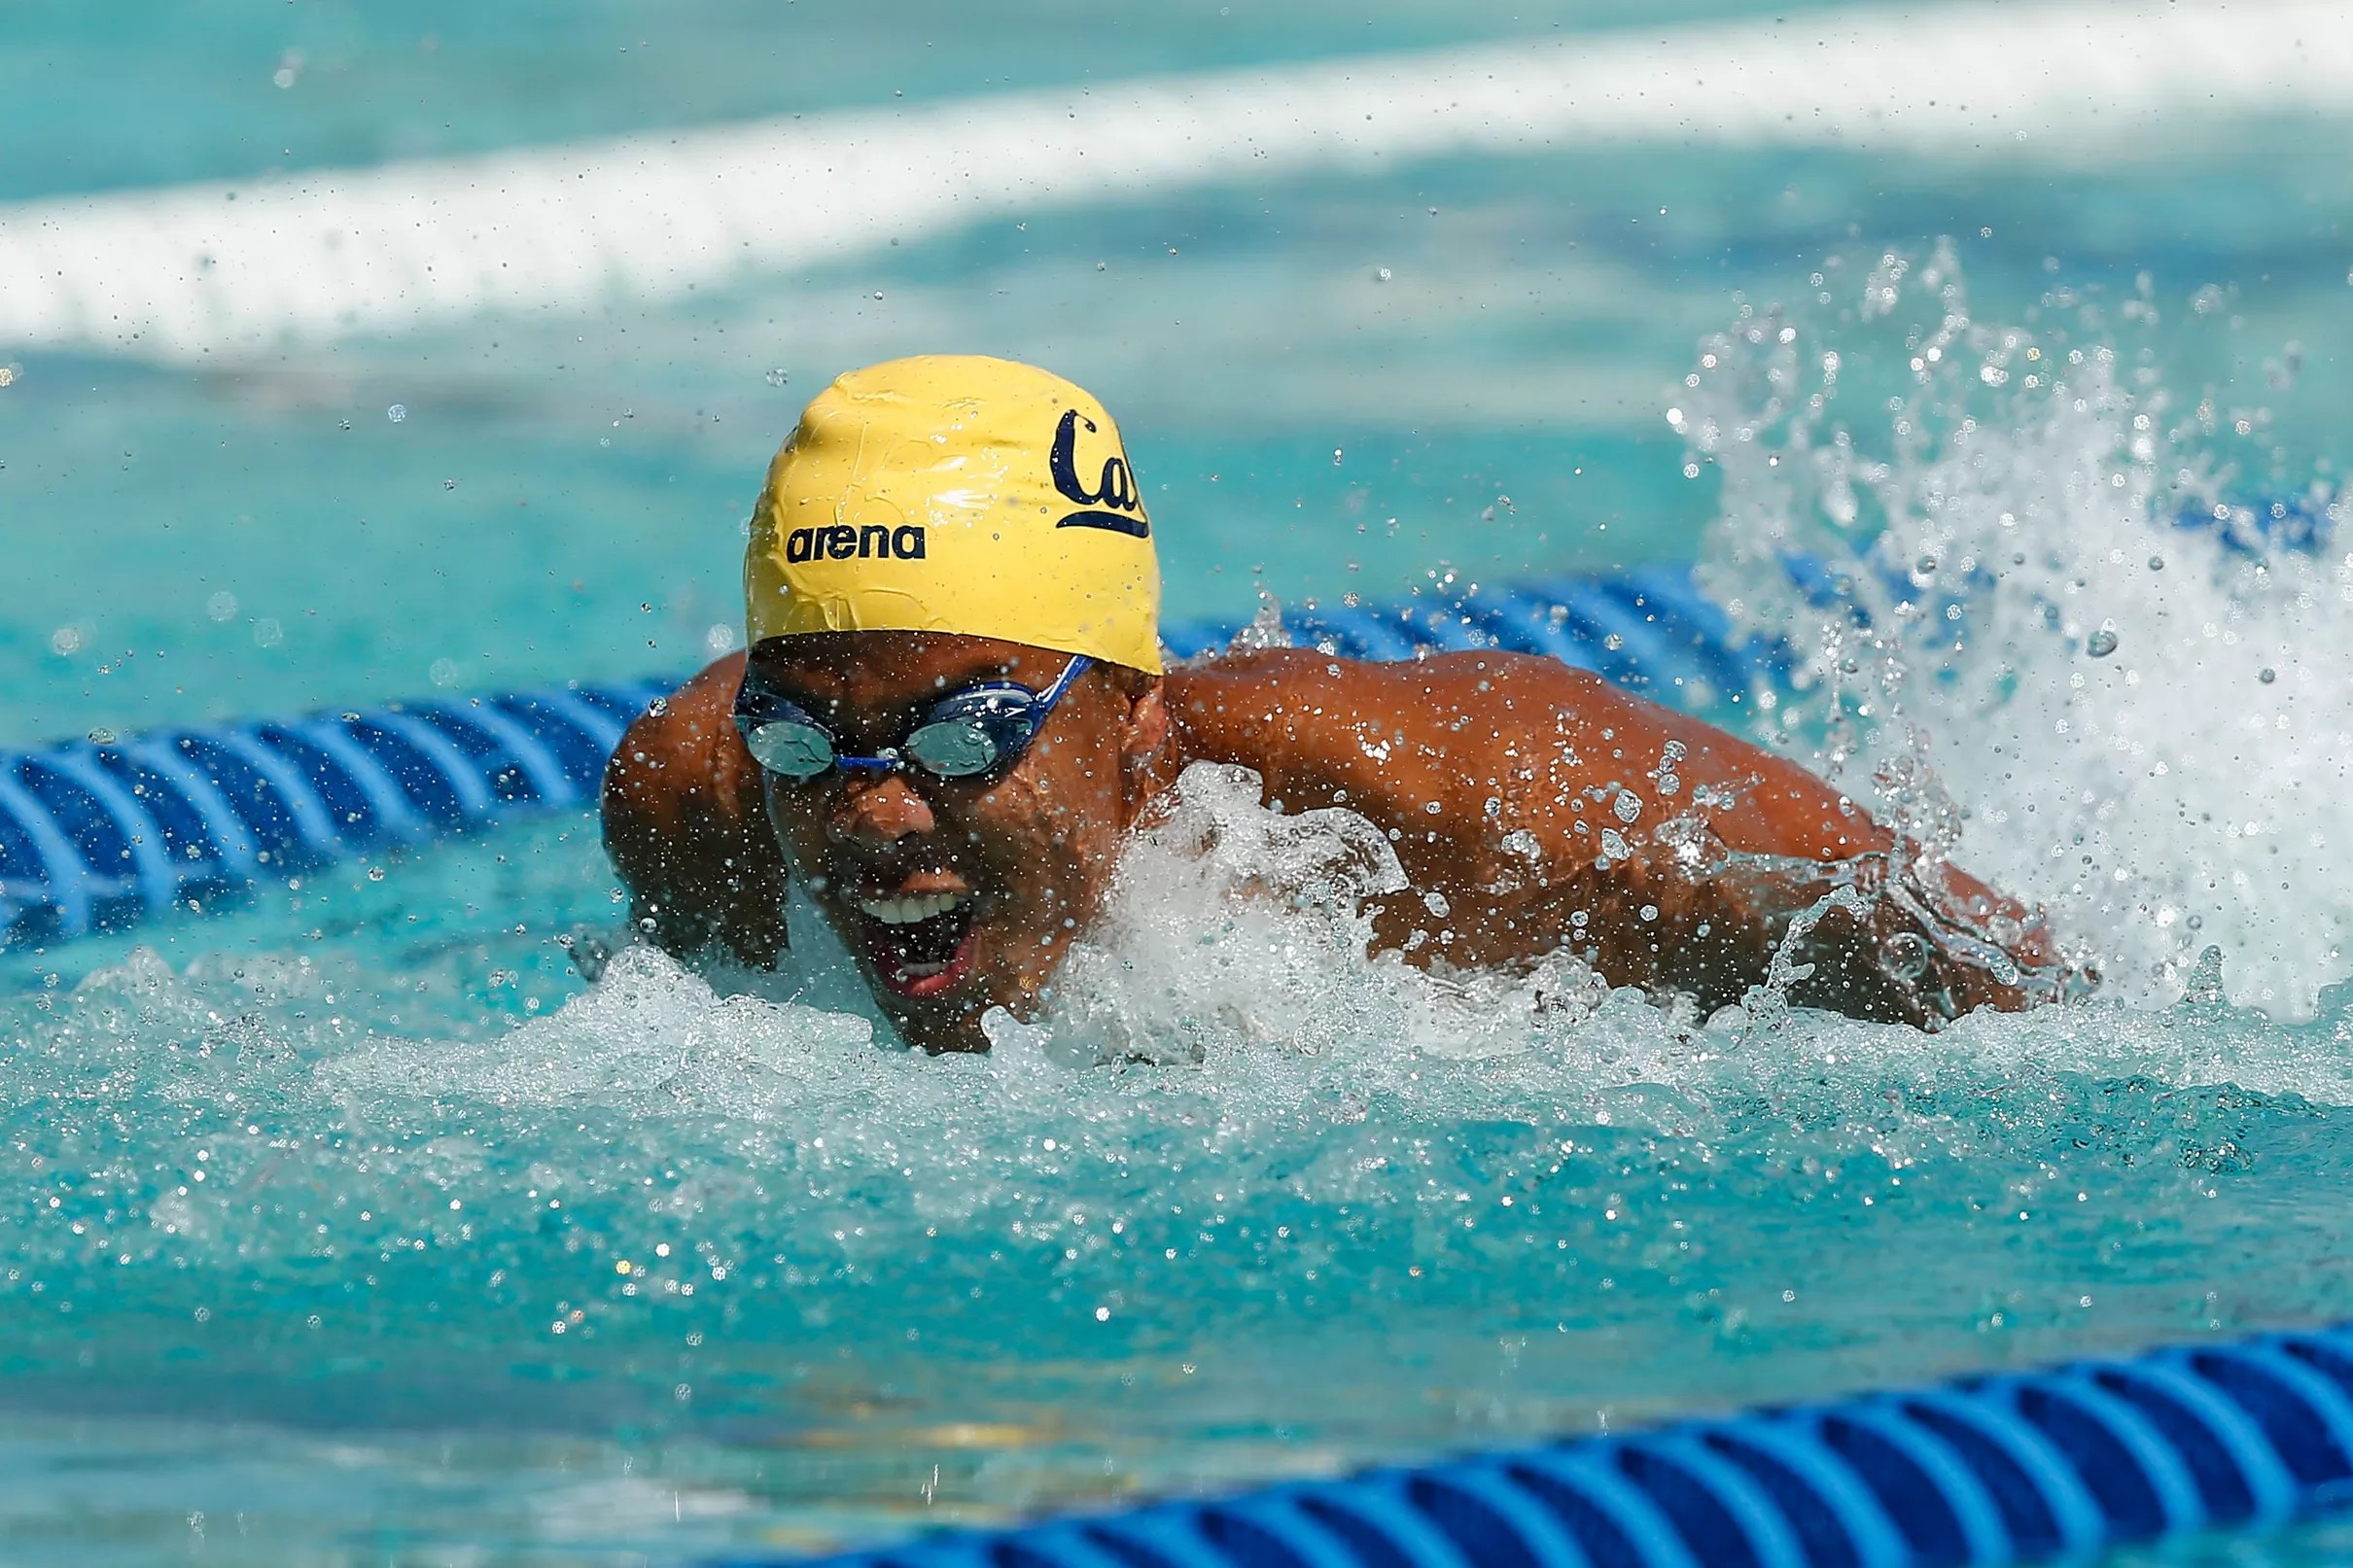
(919, 945)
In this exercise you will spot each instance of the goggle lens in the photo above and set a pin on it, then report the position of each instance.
(957, 749)
(783, 746)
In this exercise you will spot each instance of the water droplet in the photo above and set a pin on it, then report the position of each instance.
(396, 412)
(2100, 643)
(2267, 674)
(449, 484)
(777, 378)
(1905, 955)
(2157, 563)
(101, 737)
(1382, 274)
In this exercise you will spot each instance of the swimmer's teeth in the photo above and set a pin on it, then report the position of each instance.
(908, 911)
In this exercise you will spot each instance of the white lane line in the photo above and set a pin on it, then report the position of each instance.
(235, 270)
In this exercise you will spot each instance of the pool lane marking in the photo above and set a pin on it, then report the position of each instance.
(221, 271)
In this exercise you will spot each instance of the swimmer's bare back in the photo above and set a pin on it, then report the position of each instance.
(1540, 806)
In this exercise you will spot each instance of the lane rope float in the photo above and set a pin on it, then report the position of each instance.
(2239, 1434)
(97, 834)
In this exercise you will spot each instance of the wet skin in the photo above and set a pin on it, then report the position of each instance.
(1498, 776)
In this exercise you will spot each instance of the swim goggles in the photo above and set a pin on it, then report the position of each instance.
(979, 729)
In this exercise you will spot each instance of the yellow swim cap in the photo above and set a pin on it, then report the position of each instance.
(951, 492)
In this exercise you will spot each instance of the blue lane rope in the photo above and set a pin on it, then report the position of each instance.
(95, 835)
(1649, 629)
(2009, 1467)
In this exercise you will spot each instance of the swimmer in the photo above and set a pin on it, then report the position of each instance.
(953, 707)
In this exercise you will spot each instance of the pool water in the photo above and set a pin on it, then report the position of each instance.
(358, 1226)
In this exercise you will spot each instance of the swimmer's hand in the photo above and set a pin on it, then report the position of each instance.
(1931, 943)
(687, 829)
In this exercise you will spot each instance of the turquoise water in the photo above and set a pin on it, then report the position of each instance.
(317, 1216)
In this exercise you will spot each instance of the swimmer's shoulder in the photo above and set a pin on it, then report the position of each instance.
(1317, 726)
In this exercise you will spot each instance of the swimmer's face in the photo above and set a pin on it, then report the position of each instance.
(955, 895)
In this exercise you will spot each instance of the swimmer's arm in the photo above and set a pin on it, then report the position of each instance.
(688, 832)
(1498, 775)
(1743, 844)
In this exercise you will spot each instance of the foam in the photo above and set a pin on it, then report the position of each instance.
(1230, 979)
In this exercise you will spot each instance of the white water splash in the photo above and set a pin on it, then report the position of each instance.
(2142, 725)
(1230, 982)
(1235, 928)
